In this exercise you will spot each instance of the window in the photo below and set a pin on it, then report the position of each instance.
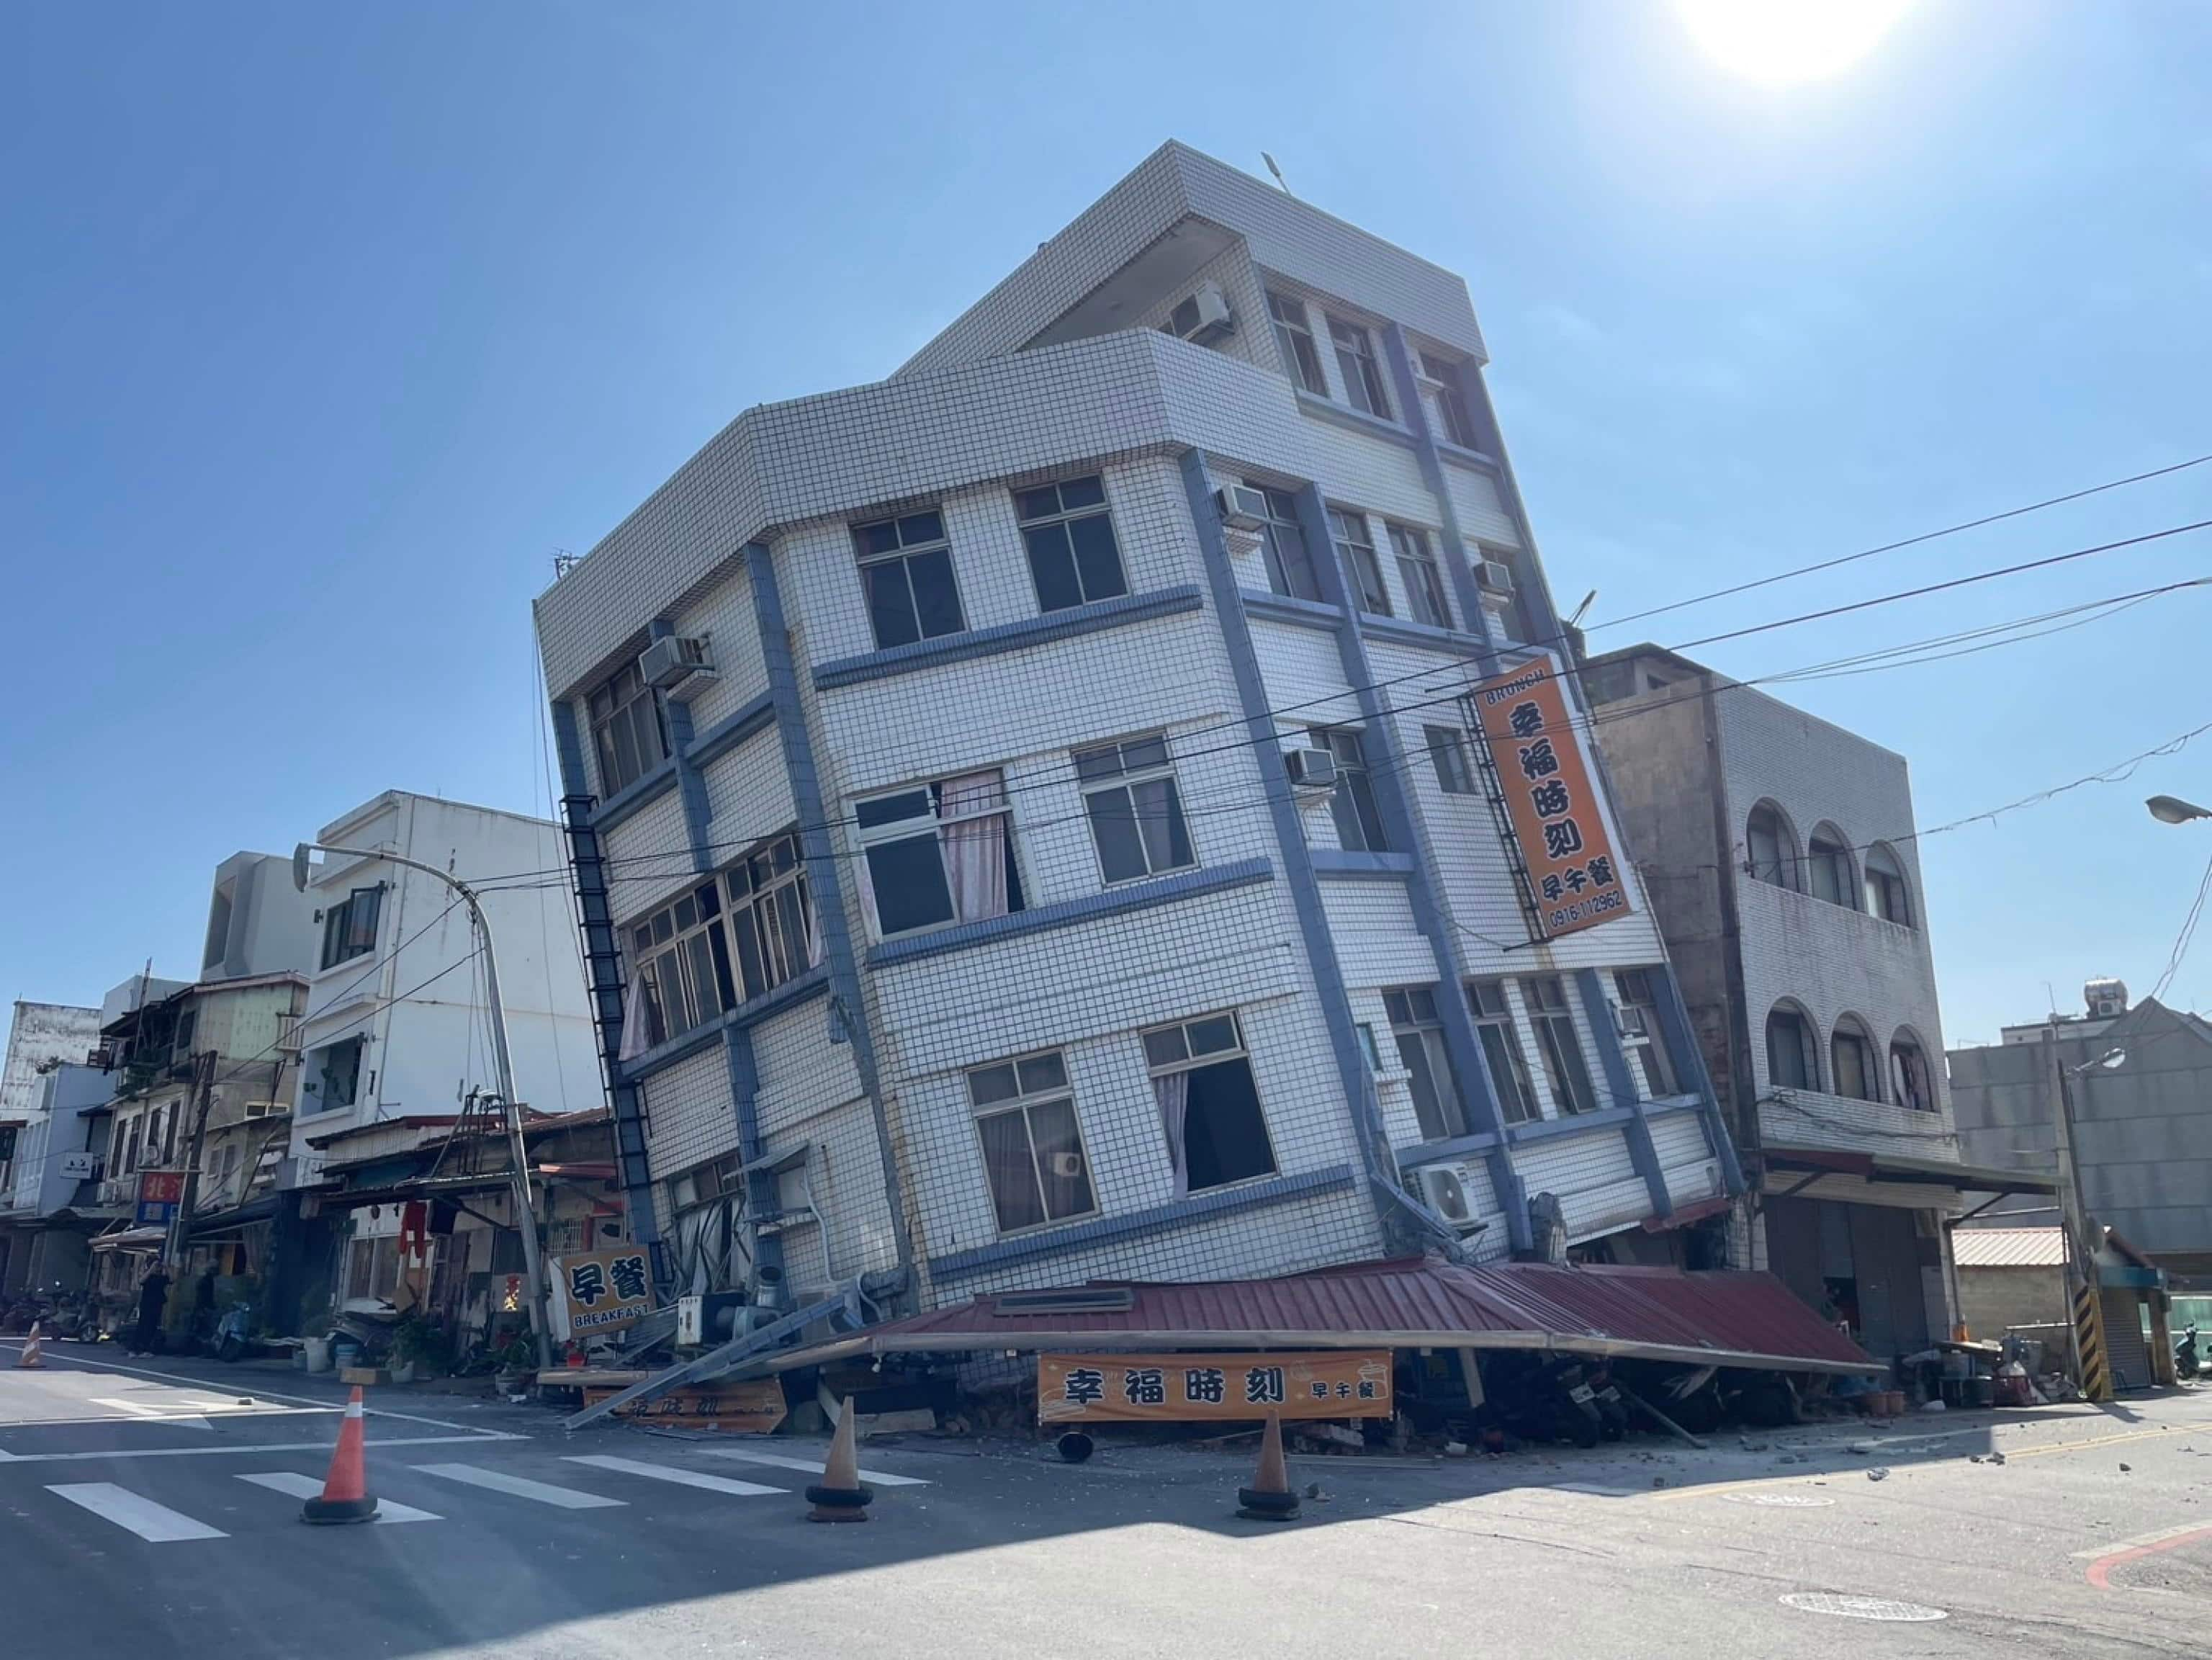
(1356, 361)
(1887, 896)
(1136, 812)
(349, 927)
(1419, 1033)
(1771, 848)
(372, 1269)
(1209, 1104)
(1448, 751)
(1074, 557)
(1828, 862)
(906, 568)
(338, 1076)
(1367, 1046)
(681, 964)
(1908, 1073)
(1283, 541)
(1508, 615)
(1355, 548)
(1359, 820)
(1557, 1041)
(1640, 1025)
(1850, 1055)
(1443, 395)
(1294, 336)
(771, 915)
(1792, 1063)
(627, 731)
(1424, 583)
(1032, 1145)
(940, 853)
(702, 1184)
(1501, 1050)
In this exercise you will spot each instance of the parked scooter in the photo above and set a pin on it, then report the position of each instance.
(2186, 1361)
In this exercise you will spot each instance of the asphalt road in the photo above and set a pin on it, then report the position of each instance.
(155, 1508)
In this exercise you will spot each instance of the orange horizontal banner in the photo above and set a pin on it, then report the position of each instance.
(1328, 1383)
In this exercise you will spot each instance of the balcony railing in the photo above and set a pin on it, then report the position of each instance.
(1810, 1118)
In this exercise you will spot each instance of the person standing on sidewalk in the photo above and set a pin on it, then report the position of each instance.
(152, 1296)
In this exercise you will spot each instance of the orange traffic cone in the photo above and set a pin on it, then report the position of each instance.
(34, 1352)
(1271, 1499)
(838, 1497)
(345, 1496)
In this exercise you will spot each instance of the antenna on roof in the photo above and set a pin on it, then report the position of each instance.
(564, 561)
(1277, 171)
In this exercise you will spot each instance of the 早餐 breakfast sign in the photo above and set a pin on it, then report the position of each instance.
(1573, 878)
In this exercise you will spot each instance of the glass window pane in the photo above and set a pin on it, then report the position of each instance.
(1092, 765)
(1428, 1104)
(1082, 493)
(917, 527)
(1160, 820)
(879, 538)
(703, 976)
(936, 601)
(1113, 828)
(1226, 1136)
(1037, 504)
(1097, 558)
(1052, 567)
(1142, 752)
(1065, 1173)
(1042, 1072)
(890, 809)
(1164, 1047)
(1011, 1174)
(750, 967)
(989, 1084)
(891, 604)
(1501, 1054)
(1212, 1035)
(908, 877)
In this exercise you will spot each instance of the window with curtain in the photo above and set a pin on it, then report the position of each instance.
(1208, 1101)
(1294, 338)
(1501, 1050)
(906, 571)
(1032, 1145)
(1791, 1061)
(1074, 557)
(1908, 1075)
(680, 962)
(1355, 548)
(627, 733)
(770, 916)
(1639, 1014)
(1565, 1069)
(1135, 809)
(1851, 1063)
(1887, 896)
(1443, 396)
(1828, 863)
(1424, 581)
(1283, 544)
(938, 854)
(1357, 362)
(1352, 803)
(1772, 850)
(1418, 1031)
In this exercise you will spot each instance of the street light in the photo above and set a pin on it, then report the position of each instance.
(2172, 810)
(502, 1064)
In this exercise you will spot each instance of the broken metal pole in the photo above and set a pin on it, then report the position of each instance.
(726, 1358)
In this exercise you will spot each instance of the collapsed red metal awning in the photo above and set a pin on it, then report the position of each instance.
(1750, 1320)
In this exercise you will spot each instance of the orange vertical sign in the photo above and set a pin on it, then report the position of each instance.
(1573, 877)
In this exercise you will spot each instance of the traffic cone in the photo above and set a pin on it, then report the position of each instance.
(1272, 1497)
(345, 1496)
(34, 1352)
(838, 1497)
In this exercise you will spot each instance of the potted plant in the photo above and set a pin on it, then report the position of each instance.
(515, 1363)
(419, 1348)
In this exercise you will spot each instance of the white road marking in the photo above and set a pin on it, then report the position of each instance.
(156, 1524)
(670, 1473)
(2140, 1540)
(76, 1360)
(543, 1492)
(144, 1412)
(296, 1485)
(255, 1452)
(812, 1466)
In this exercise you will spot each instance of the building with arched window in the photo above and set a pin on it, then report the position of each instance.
(1781, 856)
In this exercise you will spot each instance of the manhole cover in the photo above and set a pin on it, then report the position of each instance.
(1860, 1607)
(1787, 1500)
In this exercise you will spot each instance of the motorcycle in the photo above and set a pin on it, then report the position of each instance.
(2186, 1361)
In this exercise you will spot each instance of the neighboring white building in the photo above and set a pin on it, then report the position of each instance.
(951, 903)
(257, 921)
(1781, 854)
(395, 1022)
(40, 1036)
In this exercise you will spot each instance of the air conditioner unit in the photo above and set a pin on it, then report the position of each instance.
(1204, 317)
(1068, 1165)
(673, 659)
(1241, 507)
(1446, 1196)
(1310, 769)
(1495, 575)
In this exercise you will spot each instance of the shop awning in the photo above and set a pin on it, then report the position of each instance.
(1749, 1320)
(1887, 1167)
(132, 1240)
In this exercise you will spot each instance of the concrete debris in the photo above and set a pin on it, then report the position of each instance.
(1454, 1448)
(2127, 1467)
(1996, 1458)
(1658, 1480)
(1313, 1491)
(1859, 1446)
(1878, 1473)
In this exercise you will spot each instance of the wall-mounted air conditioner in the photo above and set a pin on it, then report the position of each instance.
(673, 659)
(1241, 508)
(1310, 769)
(1204, 317)
(1494, 575)
(1445, 1194)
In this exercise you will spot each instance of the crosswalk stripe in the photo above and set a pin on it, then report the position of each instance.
(812, 1466)
(295, 1485)
(142, 1412)
(157, 1523)
(543, 1492)
(670, 1473)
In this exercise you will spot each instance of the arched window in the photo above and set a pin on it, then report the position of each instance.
(1851, 1061)
(1793, 1052)
(1828, 864)
(1771, 846)
(1888, 896)
(1909, 1081)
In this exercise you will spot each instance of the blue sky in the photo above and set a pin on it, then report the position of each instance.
(323, 327)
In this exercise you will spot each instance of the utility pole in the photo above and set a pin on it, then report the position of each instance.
(180, 1225)
(2086, 1311)
(526, 1212)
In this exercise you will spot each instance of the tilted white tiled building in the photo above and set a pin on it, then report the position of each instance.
(963, 914)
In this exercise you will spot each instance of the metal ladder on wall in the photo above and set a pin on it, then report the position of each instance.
(1493, 790)
(602, 965)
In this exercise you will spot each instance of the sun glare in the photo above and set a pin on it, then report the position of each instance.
(1781, 42)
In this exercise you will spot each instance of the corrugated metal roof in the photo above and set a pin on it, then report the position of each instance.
(1734, 1319)
(2008, 1248)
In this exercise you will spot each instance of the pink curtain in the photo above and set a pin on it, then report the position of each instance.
(975, 848)
(1172, 1090)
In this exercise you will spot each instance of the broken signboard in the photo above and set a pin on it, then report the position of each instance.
(755, 1406)
(1326, 1383)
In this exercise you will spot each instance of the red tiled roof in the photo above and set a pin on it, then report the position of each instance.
(1666, 1314)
